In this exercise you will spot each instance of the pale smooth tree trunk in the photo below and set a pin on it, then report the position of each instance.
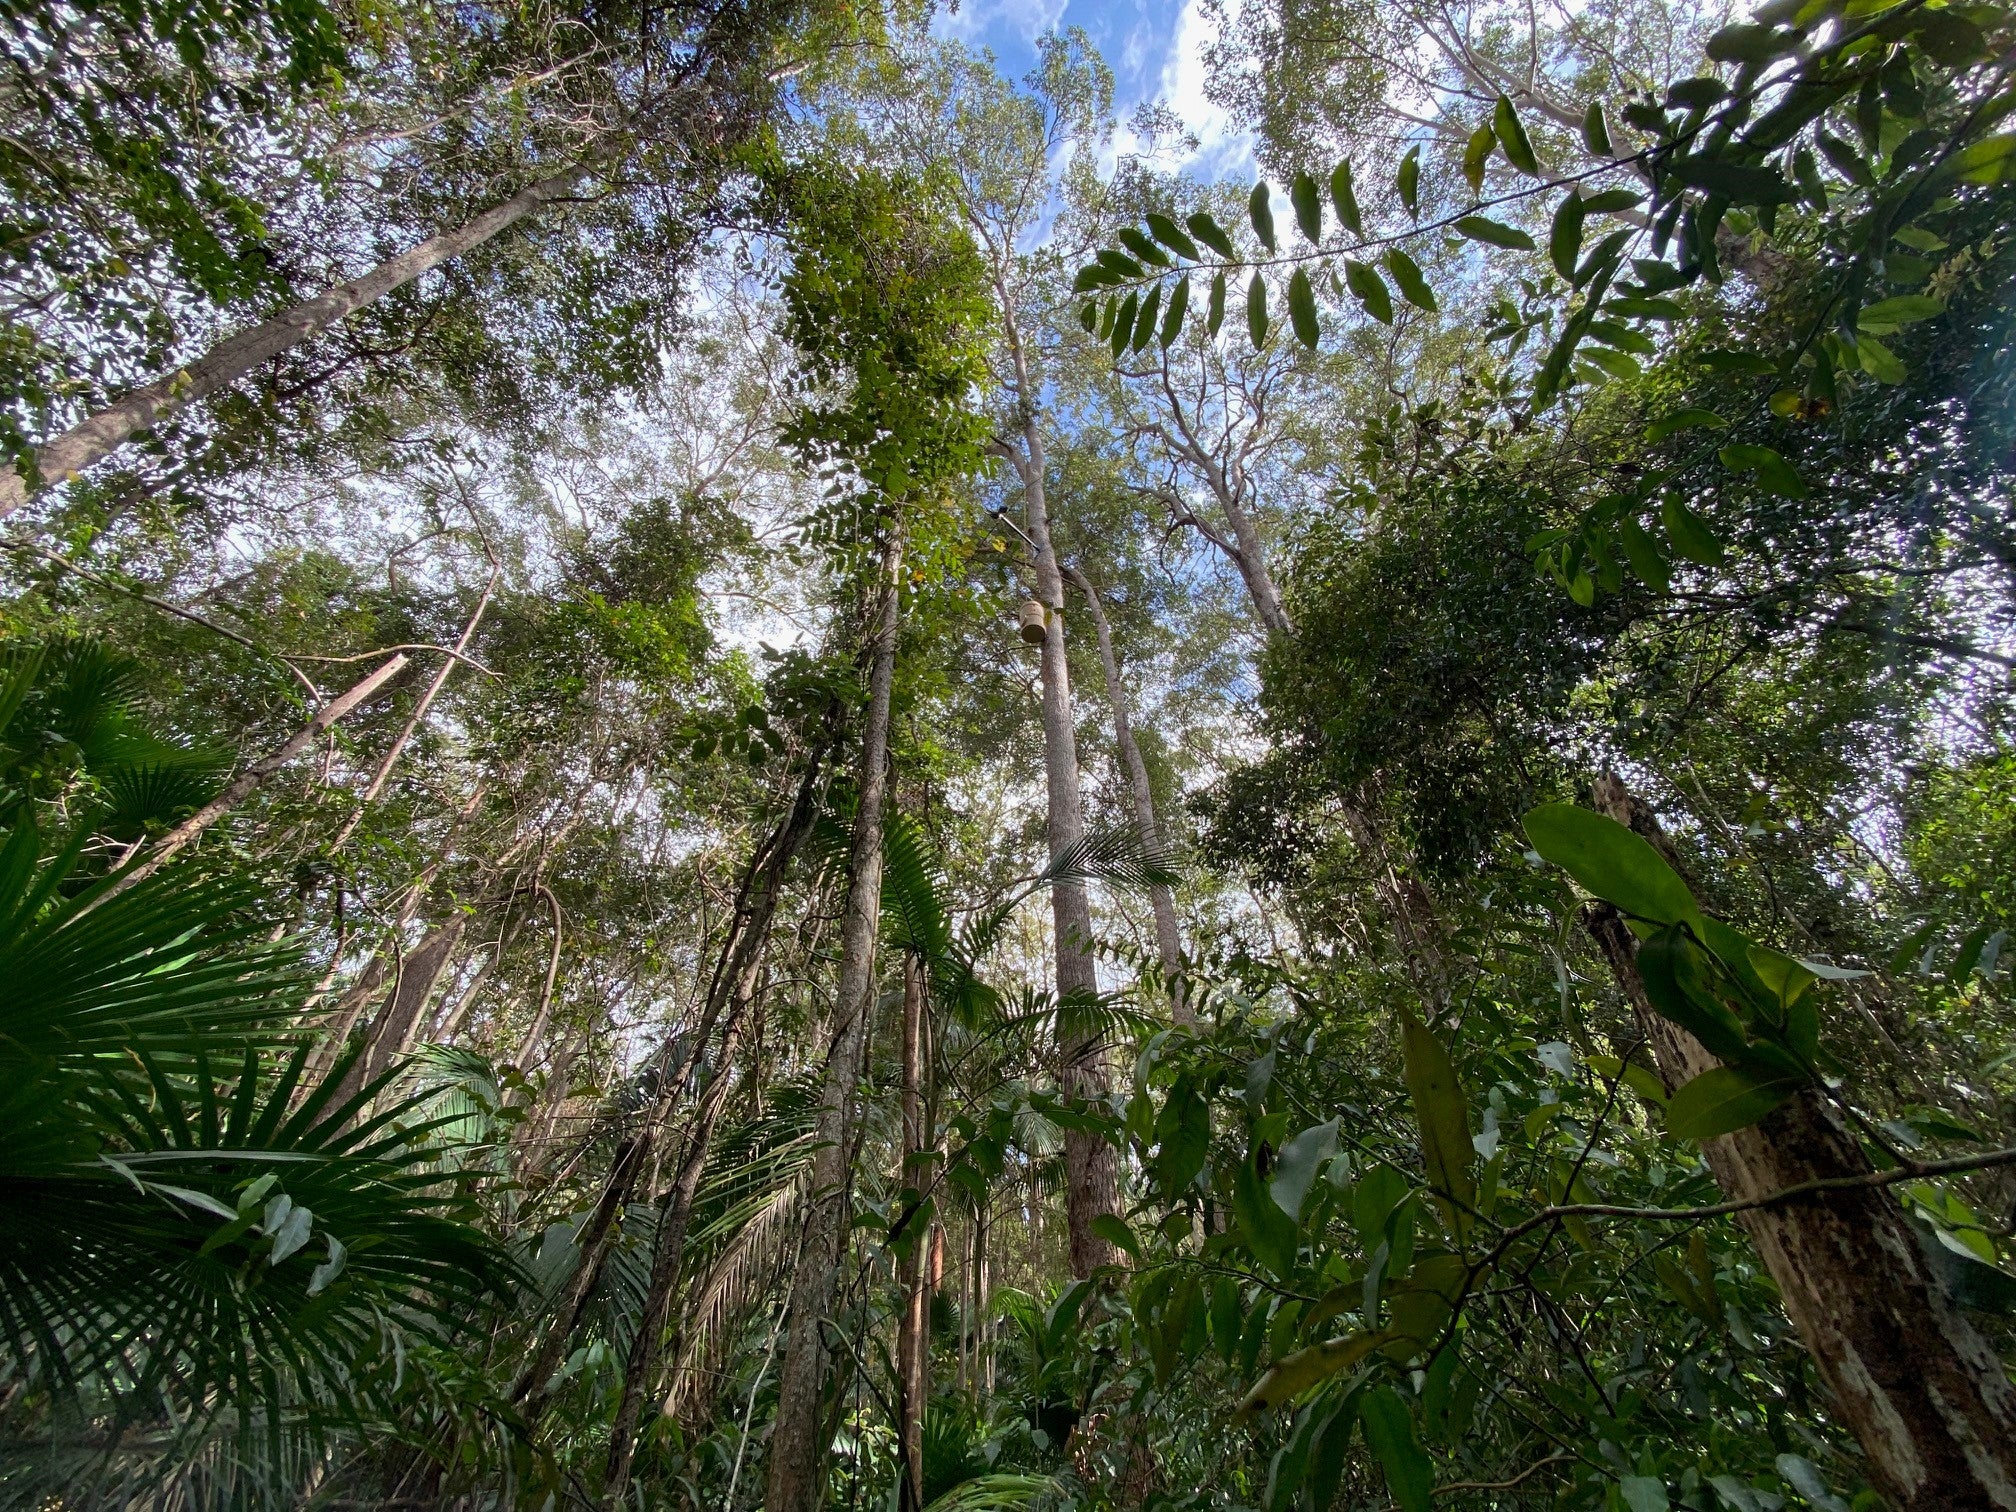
(1168, 935)
(231, 359)
(798, 1447)
(1091, 1184)
(1907, 1373)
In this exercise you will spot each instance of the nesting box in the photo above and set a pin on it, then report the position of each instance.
(1033, 622)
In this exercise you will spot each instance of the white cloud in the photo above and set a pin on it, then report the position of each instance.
(981, 20)
(1221, 149)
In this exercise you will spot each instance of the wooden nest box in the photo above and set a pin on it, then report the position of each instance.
(1033, 618)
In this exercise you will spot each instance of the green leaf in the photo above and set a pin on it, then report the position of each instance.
(1985, 162)
(1379, 1191)
(1644, 309)
(1215, 313)
(1408, 180)
(1209, 232)
(1143, 248)
(1344, 200)
(1120, 265)
(1739, 362)
(1182, 1137)
(1512, 137)
(1114, 1230)
(1088, 316)
(1308, 202)
(1595, 130)
(1296, 1166)
(1738, 183)
(1772, 470)
(1611, 201)
(1724, 1100)
(1171, 236)
(1680, 420)
(1477, 156)
(1407, 274)
(1302, 310)
(1364, 281)
(1091, 276)
(1643, 1493)
(1444, 1121)
(1270, 1233)
(1144, 322)
(1494, 233)
(1879, 362)
(1564, 241)
(1689, 533)
(1123, 324)
(1675, 972)
(1643, 553)
(1296, 1373)
(1256, 311)
(1260, 211)
(1172, 319)
(1610, 862)
(1748, 42)
(1389, 1431)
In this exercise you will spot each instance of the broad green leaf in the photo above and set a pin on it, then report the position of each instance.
(1143, 248)
(1643, 1493)
(1302, 309)
(1675, 972)
(1171, 236)
(1477, 156)
(1595, 130)
(1260, 210)
(1214, 316)
(1209, 232)
(1120, 265)
(1643, 553)
(1493, 233)
(1379, 1191)
(1616, 364)
(1364, 281)
(1680, 420)
(1423, 1302)
(1308, 202)
(1144, 322)
(1879, 362)
(1091, 276)
(1389, 1431)
(1610, 201)
(1749, 42)
(1564, 241)
(1443, 1119)
(1611, 862)
(1344, 200)
(1182, 1137)
(1739, 362)
(1689, 533)
(1296, 1373)
(1407, 274)
(1724, 1100)
(1256, 311)
(1985, 162)
(1088, 316)
(1123, 324)
(1643, 309)
(1772, 470)
(1803, 1478)
(1114, 1230)
(1408, 180)
(1296, 1166)
(1270, 1233)
(1512, 137)
(1738, 183)
(1172, 319)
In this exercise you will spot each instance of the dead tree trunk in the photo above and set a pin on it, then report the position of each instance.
(1168, 936)
(1920, 1389)
(797, 1444)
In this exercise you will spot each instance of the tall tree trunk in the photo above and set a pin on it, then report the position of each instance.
(798, 1446)
(911, 1339)
(732, 987)
(1168, 936)
(1910, 1377)
(1091, 1185)
(420, 971)
(235, 356)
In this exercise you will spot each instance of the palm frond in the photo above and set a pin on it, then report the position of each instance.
(995, 1493)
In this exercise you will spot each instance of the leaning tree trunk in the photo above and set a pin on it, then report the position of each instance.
(1168, 936)
(1910, 1377)
(235, 356)
(797, 1444)
(1091, 1185)
(731, 990)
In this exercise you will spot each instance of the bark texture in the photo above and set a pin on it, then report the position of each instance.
(798, 1443)
(1910, 1376)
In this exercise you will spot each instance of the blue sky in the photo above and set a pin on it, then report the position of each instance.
(1154, 47)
